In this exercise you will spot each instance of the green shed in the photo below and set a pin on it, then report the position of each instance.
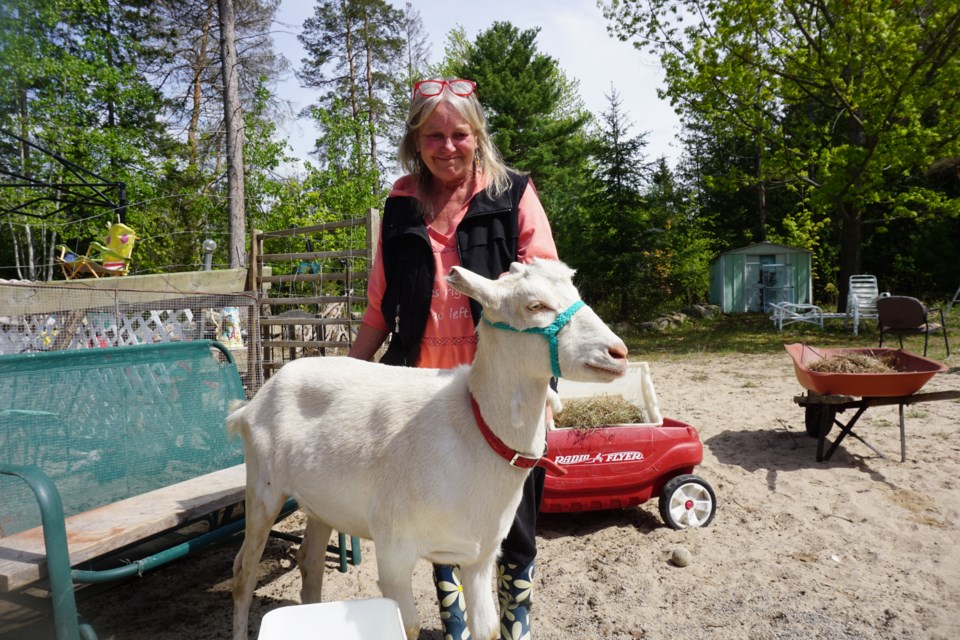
(753, 277)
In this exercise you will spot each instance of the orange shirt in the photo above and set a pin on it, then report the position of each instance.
(450, 338)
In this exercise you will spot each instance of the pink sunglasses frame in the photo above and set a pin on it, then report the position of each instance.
(444, 83)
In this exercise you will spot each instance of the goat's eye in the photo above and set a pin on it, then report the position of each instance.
(535, 306)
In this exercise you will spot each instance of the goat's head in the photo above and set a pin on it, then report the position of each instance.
(541, 298)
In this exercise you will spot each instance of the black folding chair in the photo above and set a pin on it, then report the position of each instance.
(905, 316)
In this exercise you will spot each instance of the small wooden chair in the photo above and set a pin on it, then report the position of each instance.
(111, 259)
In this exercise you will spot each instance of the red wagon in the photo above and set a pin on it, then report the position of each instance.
(616, 466)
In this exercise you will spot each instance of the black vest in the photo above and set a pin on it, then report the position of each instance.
(486, 244)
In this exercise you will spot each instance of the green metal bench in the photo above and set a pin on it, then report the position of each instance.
(117, 446)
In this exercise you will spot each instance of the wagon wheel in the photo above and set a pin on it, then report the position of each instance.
(687, 502)
(819, 416)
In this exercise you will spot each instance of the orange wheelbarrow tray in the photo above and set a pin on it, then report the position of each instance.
(618, 466)
(911, 372)
(831, 393)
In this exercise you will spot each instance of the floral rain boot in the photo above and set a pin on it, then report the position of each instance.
(453, 614)
(515, 588)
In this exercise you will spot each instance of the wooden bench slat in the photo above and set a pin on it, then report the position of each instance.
(99, 531)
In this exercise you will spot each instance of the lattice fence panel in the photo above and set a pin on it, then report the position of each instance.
(52, 318)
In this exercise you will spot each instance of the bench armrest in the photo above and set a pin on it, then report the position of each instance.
(55, 543)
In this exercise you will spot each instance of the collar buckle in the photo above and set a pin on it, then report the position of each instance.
(523, 462)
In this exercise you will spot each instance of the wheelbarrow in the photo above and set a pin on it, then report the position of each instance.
(618, 466)
(831, 393)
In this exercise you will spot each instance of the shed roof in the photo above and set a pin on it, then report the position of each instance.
(765, 247)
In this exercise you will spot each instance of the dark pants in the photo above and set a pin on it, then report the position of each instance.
(520, 545)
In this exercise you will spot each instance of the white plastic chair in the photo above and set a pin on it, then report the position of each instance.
(368, 619)
(862, 300)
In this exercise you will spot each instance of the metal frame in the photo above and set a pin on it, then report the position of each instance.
(826, 407)
(87, 189)
(62, 576)
(785, 313)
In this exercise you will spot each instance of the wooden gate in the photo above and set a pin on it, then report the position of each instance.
(311, 298)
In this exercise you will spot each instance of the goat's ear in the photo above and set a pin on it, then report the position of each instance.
(470, 284)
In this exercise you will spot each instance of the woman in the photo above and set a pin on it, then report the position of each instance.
(459, 204)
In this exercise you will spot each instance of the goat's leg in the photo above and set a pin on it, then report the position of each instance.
(311, 558)
(482, 618)
(261, 512)
(395, 564)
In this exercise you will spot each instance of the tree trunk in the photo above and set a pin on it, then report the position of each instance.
(233, 123)
(761, 196)
(851, 224)
(199, 63)
(371, 118)
(349, 45)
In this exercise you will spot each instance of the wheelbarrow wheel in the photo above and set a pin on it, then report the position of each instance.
(687, 502)
(818, 415)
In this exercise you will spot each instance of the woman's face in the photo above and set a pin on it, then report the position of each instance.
(447, 144)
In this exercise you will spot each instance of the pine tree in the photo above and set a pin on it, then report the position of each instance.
(615, 221)
(353, 47)
(535, 113)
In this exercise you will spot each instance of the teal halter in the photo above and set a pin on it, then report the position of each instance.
(549, 333)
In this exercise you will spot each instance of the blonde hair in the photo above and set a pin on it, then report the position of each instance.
(487, 158)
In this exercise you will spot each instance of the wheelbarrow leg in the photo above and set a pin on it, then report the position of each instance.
(845, 430)
(903, 438)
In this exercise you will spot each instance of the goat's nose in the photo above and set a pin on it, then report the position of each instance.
(618, 351)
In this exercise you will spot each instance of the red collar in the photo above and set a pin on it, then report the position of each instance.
(515, 458)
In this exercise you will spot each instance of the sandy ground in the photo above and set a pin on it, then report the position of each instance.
(857, 547)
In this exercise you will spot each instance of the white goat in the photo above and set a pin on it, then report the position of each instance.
(395, 454)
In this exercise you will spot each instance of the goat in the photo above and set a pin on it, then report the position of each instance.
(396, 455)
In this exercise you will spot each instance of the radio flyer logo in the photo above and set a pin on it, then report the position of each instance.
(599, 458)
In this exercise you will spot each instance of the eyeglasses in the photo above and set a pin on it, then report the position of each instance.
(458, 87)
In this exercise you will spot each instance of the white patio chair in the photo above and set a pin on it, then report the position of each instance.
(862, 300)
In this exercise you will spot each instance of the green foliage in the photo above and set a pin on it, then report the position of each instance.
(826, 125)
(633, 242)
(346, 182)
(535, 118)
(345, 185)
(354, 49)
(456, 53)
(534, 112)
(840, 101)
(608, 245)
(679, 276)
(73, 83)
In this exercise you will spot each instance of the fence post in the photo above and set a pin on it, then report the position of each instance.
(373, 235)
(254, 350)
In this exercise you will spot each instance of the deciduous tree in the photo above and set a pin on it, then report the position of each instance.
(843, 98)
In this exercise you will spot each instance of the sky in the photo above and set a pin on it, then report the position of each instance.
(573, 32)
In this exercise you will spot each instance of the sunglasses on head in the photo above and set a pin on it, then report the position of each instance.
(430, 88)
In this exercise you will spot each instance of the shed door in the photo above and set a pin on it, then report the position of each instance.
(768, 282)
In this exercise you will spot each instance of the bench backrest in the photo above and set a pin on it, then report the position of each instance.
(107, 424)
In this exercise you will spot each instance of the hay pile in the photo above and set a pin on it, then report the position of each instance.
(855, 363)
(596, 411)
